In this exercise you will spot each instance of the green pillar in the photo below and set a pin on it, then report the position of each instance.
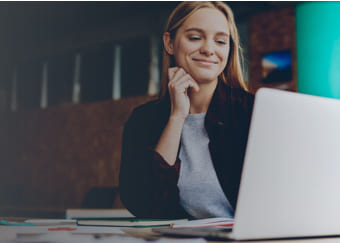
(318, 48)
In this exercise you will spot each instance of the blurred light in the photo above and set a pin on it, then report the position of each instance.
(318, 48)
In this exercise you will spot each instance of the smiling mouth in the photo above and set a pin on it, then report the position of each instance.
(204, 61)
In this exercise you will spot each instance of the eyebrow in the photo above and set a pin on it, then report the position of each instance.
(201, 31)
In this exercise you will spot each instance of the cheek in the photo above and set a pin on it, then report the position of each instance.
(224, 55)
(182, 49)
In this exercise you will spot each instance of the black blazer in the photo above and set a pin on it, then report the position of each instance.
(148, 185)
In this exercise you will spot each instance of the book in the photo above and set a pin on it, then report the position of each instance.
(129, 222)
(83, 213)
(51, 222)
(209, 222)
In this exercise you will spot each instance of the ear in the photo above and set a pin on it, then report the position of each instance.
(168, 43)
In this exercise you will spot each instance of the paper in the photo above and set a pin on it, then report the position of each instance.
(74, 213)
(210, 222)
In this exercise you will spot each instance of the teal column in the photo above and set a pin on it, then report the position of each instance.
(318, 48)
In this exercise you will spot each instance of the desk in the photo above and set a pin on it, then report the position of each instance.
(148, 232)
(132, 235)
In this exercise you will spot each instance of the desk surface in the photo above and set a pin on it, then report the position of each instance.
(10, 233)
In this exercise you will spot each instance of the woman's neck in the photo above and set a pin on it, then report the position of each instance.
(200, 101)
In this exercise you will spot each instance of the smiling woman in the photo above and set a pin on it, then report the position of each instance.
(183, 153)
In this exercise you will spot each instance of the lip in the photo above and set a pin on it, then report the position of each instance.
(204, 61)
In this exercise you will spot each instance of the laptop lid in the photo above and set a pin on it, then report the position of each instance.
(290, 184)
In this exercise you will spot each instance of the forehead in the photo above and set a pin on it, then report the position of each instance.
(208, 19)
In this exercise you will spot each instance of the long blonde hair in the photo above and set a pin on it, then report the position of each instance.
(232, 74)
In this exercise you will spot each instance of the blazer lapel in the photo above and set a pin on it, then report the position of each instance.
(223, 144)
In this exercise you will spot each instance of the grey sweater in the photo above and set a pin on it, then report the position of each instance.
(200, 192)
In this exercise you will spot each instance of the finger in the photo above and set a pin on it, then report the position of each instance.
(193, 83)
(186, 80)
(172, 71)
(182, 79)
(180, 76)
(179, 73)
(179, 85)
(185, 85)
(174, 83)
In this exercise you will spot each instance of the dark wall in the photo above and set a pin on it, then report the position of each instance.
(50, 159)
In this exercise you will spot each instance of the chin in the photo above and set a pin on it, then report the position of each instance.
(202, 81)
(204, 78)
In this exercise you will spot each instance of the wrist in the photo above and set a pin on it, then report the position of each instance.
(177, 118)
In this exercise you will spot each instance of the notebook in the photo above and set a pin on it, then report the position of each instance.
(128, 222)
(291, 174)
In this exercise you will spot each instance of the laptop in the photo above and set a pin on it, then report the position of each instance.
(290, 184)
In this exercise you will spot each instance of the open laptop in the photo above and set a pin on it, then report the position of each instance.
(290, 185)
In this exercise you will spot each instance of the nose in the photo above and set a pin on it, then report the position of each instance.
(207, 48)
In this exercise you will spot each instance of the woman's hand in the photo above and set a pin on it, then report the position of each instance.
(179, 83)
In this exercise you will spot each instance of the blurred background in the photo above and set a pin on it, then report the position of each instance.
(55, 53)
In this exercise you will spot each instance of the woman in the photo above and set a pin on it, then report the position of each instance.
(182, 154)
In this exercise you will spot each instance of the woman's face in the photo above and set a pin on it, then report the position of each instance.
(201, 45)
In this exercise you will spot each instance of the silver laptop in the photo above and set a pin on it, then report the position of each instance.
(290, 185)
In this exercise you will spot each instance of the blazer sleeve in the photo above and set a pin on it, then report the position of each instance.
(148, 185)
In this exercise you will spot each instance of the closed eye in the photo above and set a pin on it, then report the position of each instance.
(222, 42)
(194, 37)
